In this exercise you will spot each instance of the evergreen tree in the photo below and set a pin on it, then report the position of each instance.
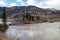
(37, 18)
(28, 16)
(4, 16)
(3, 27)
(32, 17)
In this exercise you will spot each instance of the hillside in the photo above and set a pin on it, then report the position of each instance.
(16, 11)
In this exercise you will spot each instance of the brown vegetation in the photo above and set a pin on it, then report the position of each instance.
(3, 28)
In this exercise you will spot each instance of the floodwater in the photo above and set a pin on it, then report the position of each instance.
(37, 31)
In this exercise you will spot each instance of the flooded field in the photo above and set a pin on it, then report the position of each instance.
(39, 31)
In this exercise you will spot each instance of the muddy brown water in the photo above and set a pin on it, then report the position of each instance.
(39, 31)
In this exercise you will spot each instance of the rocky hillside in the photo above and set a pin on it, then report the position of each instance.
(16, 11)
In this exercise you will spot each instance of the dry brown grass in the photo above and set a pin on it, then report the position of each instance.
(4, 37)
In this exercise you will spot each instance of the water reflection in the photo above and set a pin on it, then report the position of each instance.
(41, 31)
(23, 34)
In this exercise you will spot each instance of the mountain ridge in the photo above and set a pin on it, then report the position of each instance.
(10, 11)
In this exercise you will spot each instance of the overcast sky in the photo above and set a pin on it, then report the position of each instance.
(38, 3)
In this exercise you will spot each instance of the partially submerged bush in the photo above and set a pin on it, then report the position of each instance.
(3, 28)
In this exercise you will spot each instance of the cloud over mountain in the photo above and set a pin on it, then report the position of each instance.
(39, 3)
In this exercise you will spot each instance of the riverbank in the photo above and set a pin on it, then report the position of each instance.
(20, 23)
